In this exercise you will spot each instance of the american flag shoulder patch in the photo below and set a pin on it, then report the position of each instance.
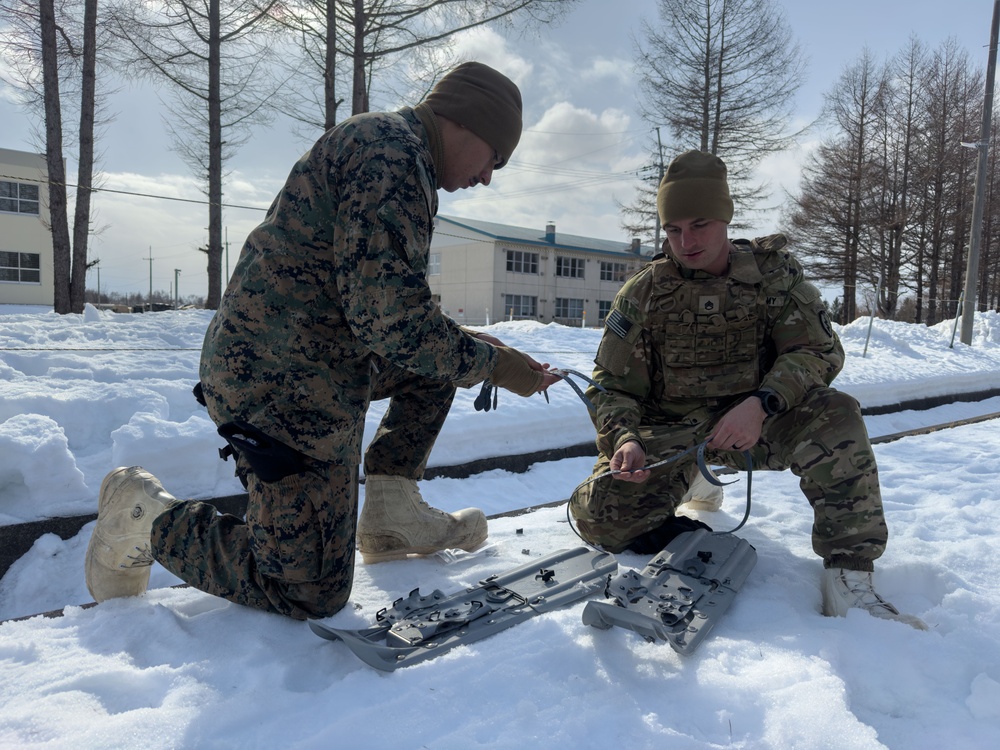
(618, 324)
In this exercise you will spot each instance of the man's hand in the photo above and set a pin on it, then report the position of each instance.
(547, 378)
(739, 429)
(517, 372)
(629, 457)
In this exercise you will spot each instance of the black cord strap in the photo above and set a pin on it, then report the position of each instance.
(703, 467)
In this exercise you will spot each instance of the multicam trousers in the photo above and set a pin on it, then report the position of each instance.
(294, 552)
(823, 441)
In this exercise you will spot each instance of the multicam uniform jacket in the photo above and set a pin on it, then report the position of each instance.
(681, 347)
(331, 287)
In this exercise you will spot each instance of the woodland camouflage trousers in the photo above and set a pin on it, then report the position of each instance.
(823, 441)
(294, 552)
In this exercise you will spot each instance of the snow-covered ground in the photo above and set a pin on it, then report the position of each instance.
(177, 668)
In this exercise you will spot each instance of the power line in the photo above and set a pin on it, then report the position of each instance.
(599, 134)
(136, 194)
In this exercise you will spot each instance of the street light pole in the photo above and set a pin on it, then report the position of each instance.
(972, 270)
(177, 296)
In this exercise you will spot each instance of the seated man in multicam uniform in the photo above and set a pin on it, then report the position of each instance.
(726, 341)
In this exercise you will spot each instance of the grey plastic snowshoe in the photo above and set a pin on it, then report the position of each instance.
(420, 627)
(681, 593)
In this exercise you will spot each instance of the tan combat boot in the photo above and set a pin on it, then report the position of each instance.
(702, 495)
(119, 556)
(844, 589)
(396, 522)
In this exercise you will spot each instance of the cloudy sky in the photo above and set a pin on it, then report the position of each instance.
(582, 145)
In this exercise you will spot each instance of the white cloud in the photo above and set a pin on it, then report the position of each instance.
(488, 47)
(570, 166)
(783, 173)
(616, 71)
(138, 226)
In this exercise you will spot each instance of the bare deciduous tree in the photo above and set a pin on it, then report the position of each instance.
(212, 54)
(887, 196)
(53, 54)
(901, 129)
(370, 37)
(721, 75)
(951, 87)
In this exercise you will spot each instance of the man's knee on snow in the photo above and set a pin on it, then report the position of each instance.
(324, 604)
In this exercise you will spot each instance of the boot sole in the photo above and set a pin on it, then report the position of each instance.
(702, 505)
(103, 581)
(370, 558)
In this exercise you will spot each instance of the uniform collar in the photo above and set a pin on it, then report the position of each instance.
(435, 143)
(743, 266)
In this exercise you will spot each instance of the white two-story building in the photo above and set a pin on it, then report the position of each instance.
(481, 272)
(26, 275)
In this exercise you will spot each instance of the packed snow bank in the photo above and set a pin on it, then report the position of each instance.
(102, 390)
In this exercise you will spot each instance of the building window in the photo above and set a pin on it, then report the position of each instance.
(22, 268)
(613, 271)
(520, 261)
(18, 198)
(434, 264)
(571, 309)
(603, 310)
(572, 267)
(520, 305)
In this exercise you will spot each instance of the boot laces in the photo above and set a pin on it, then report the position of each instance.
(865, 596)
(437, 512)
(142, 558)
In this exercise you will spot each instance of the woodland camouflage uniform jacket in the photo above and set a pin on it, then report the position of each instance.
(681, 347)
(331, 287)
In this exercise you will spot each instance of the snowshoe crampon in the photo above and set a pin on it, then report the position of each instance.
(420, 627)
(681, 593)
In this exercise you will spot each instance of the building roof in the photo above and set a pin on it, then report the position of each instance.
(547, 237)
(27, 159)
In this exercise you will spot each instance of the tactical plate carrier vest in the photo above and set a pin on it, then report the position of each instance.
(709, 333)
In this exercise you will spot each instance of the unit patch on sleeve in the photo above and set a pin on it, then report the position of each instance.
(824, 320)
(618, 324)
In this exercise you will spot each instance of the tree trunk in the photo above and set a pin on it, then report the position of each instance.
(214, 295)
(330, 71)
(721, 83)
(359, 96)
(706, 97)
(85, 170)
(854, 200)
(54, 160)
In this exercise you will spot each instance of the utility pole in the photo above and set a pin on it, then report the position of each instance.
(972, 270)
(177, 296)
(149, 300)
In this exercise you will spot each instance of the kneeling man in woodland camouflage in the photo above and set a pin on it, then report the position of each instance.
(329, 309)
(726, 341)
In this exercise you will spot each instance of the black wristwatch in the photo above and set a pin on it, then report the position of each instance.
(769, 400)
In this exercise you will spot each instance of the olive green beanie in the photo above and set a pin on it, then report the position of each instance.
(694, 187)
(483, 100)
